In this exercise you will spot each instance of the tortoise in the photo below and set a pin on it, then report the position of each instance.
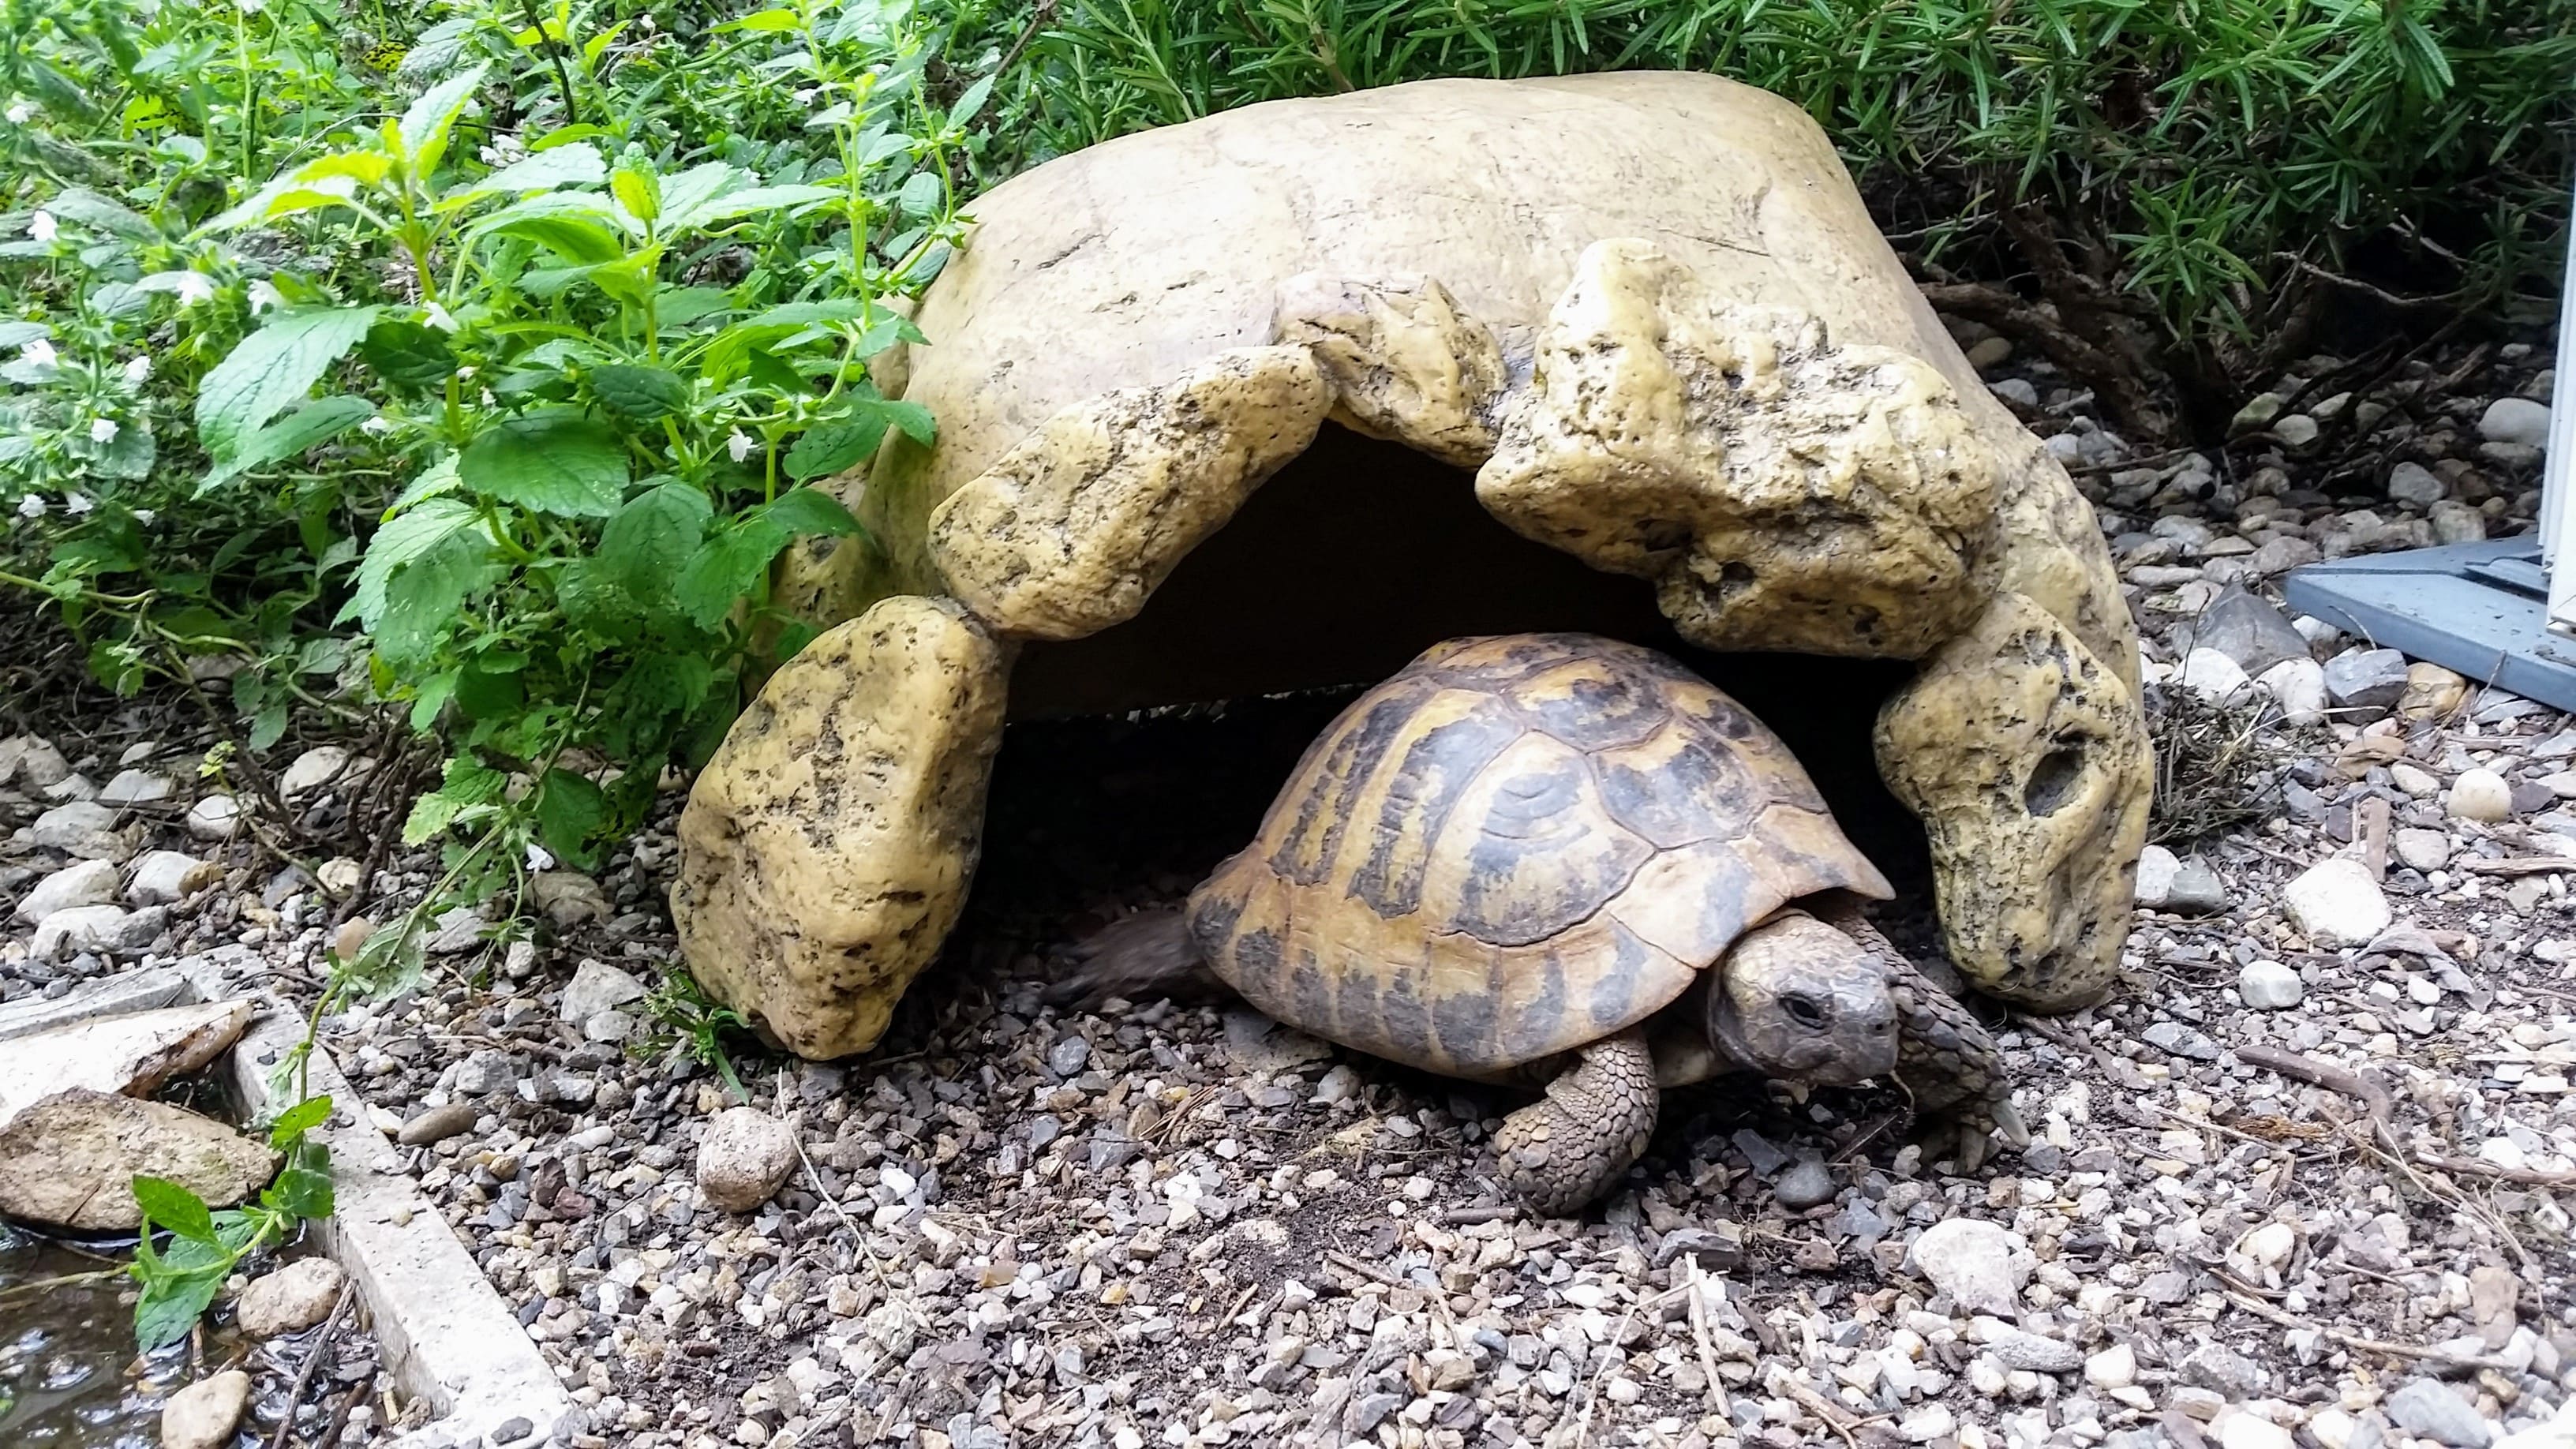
(1564, 859)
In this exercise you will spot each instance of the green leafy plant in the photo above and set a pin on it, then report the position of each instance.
(683, 1015)
(180, 1279)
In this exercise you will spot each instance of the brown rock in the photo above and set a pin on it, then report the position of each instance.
(204, 1414)
(69, 1161)
(296, 1296)
(826, 849)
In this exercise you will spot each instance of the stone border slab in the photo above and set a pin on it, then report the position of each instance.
(445, 1334)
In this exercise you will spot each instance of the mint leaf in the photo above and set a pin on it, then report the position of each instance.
(555, 462)
(650, 539)
(408, 354)
(406, 538)
(425, 600)
(834, 447)
(569, 810)
(725, 568)
(810, 510)
(272, 369)
(173, 1302)
(640, 393)
(299, 1119)
(290, 435)
(175, 1208)
(425, 125)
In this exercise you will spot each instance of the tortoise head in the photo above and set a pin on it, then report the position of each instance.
(1800, 1001)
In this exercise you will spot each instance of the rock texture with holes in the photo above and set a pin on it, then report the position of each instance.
(1700, 367)
(2026, 759)
(827, 846)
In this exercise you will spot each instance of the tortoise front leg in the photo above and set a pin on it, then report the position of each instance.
(1945, 1059)
(1569, 1147)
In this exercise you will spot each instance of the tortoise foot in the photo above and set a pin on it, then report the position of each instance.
(1568, 1148)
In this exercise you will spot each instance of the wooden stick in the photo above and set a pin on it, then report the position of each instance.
(2521, 865)
(2532, 1176)
(2319, 1074)
(2239, 1294)
(312, 1360)
(2370, 828)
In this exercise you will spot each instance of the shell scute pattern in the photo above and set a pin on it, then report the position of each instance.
(1514, 847)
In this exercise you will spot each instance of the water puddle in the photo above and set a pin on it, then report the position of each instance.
(69, 1375)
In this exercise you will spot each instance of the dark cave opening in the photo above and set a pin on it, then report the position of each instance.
(1141, 756)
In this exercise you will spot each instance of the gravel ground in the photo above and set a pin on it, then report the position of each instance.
(2298, 1182)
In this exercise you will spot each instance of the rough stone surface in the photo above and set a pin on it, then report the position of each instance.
(296, 1296)
(826, 848)
(84, 828)
(88, 883)
(1403, 362)
(2251, 631)
(2425, 1407)
(595, 987)
(2157, 867)
(1980, 1265)
(1072, 530)
(2215, 675)
(312, 770)
(2269, 986)
(437, 1124)
(163, 877)
(69, 1160)
(743, 1157)
(79, 928)
(215, 817)
(1782, 492)
(131, 1055)
(2366, 678)
(2480, 795)
(2298, 686)
(204, 1414)
(2336, 903)
(2027, 763)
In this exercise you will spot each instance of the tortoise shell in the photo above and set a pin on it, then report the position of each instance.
(1514, 847)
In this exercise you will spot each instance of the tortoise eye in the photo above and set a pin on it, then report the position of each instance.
(1803, 1009)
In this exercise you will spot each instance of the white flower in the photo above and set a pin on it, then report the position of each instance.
(21, 112)
(144, 515)
(41, 226)
(378, 426)
(251, 7)
(77, 504)
(102, 430)
(539, 858)
(738, 445)
(194, 287)
(30, 506)
(465, 372)
(440, 318)
(263, 296)
(139, 370)
(39, 352)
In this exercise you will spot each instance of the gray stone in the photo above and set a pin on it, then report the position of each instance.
(2156, 870)
(84, 828)
(2270, 986)
(2258, 411)
(2414, 483)
(312, 770)
(32, 761)
(204, 1414)
(165, 877)
(744, 1156)
(1979, 1264)
(437, 1125)
(2298, 430)
(137, 787)
(70, 931)
(2221, 1370)
(214, 818)
(1807, 1184)
(2335, 903)
(2366, 678)
(2480, 795)
(294, 1297)
(2422, 850)
(609, 1027)
(1069, 1055)
(2517, 421)
(2031, 1352)
(2456, 522)
(568, 898)
(90, 883)
(487, 1071)
(2298, 686)
(2214, 675)
(1759, 1151)
(595, 987)
(2196, 890)
(2428, 1410)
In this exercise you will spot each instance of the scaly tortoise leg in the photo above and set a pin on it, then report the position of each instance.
(1571, 1146)
(1946, 1060)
